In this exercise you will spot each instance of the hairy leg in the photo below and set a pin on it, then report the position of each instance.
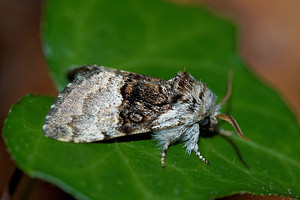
(191, 137)
(165, 138)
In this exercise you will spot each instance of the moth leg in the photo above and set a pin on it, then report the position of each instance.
(163, 155)
(199, 155)
(165, 138)
(191, 137)
(224, 132)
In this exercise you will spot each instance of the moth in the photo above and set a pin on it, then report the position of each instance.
(101, 103)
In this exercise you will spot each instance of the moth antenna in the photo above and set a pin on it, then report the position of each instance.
(235, 125)
(228, 88)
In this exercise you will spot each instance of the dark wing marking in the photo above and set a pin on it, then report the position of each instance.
(145, 99)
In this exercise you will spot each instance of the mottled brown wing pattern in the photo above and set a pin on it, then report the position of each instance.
(144, 100)
(102, 103)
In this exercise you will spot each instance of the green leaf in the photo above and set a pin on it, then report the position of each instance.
(156, 38)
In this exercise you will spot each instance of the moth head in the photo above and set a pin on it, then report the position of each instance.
(210, 123)
(208, 117)
(205, 123)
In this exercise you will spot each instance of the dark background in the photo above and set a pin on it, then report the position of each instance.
(268, 41)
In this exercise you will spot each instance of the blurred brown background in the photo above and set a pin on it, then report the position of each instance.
(268, 40)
